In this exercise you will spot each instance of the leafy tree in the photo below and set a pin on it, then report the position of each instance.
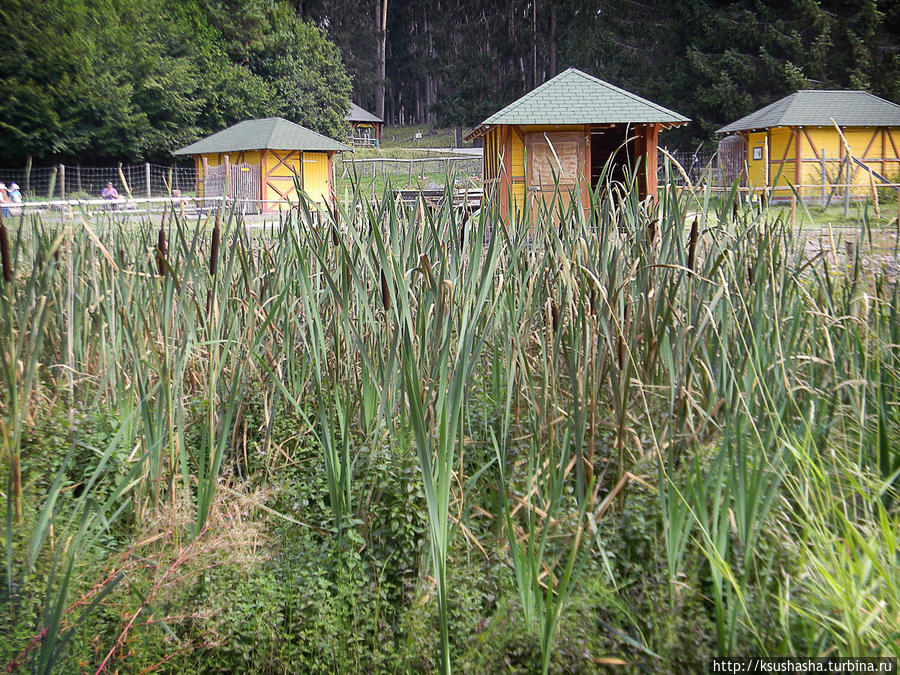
(106, 80)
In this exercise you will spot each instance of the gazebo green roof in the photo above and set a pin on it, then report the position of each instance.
(574, 97)
(357, 114)
(817, 107)
(272, 133)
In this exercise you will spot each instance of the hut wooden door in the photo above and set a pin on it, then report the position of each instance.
(244, 187)
(556, 163)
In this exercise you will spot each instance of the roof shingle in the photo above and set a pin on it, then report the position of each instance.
(271, 133)
(357, 114)
(815, 107)
(574, 97)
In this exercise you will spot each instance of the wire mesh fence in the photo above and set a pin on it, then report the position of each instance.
(699, 167)
(416, 171)
(66, 181)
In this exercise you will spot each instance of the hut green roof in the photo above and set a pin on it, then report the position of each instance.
(574, 97)
(272, 133)
(357, 114)
(817, 107)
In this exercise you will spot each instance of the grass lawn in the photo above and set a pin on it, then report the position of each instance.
(405, 137)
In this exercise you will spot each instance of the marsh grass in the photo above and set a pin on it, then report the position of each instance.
(537, 370)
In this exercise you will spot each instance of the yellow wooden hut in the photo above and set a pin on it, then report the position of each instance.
(365, 128)
(566, 129)
(261, 159)
(794, 142)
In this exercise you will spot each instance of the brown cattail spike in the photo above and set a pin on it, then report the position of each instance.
(651, 232)
(385, 293)
(161, 252)
(750, 273)
(554, 316)
(4, 254)
(214, 251)
(692, 246)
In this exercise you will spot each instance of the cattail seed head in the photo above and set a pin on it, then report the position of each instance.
(692, 246)
(214, 251)
(651, 232)
(552, 315)
(385, 293)
(4, 254)
(750, 273)
(161, 252)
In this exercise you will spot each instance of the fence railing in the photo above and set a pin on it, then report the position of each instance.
(186, 206)
(420, 167)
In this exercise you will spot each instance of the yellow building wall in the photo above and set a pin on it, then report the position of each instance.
(517, 165)
(493, 156)
(871, 145)
(281, 168)
(315, 177)
(756, 156)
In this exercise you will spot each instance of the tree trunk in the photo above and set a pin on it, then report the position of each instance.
(534, 42)
(552, 72)
(381, 55)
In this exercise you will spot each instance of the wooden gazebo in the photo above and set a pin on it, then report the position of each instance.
(365, 128)
(565, 130)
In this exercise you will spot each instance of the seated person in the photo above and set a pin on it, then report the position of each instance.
(109, 192)
(15, 196)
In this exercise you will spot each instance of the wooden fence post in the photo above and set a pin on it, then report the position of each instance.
(226, 193)
(62, 181)
(28, 175)
(147, 177)
(824, 176)
(849, 179)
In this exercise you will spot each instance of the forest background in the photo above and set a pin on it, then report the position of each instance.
(130, 80)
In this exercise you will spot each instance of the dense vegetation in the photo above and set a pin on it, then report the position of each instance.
(121, 80)
(396, 439)
(110, 80)
(455, 62)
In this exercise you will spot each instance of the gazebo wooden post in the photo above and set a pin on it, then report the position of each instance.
(588, 170)
(651, 136)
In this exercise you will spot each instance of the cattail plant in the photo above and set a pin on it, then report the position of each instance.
(692, 246)
(161, 252)
(4, 255)
(385, 293)
(214, 250)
